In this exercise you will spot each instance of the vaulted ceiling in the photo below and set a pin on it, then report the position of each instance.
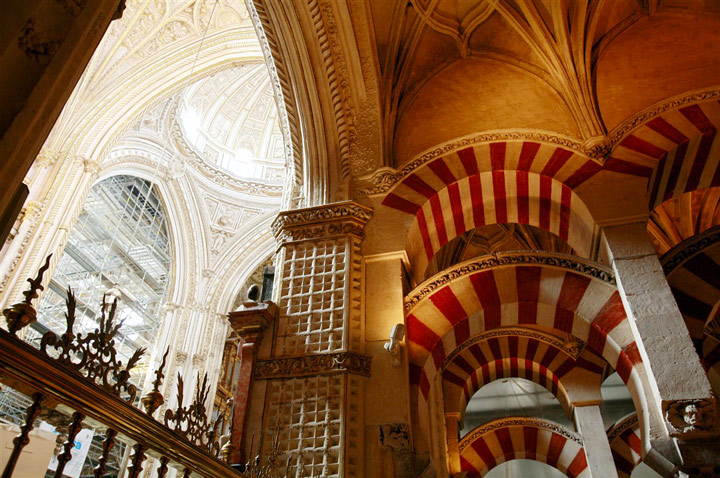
(575, 68)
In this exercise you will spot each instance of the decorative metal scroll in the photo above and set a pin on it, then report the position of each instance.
(93, 355)
(192, 421)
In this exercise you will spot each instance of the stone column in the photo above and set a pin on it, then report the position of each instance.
(678, 378)
(589, 424)
(314, 372)
(250, 323)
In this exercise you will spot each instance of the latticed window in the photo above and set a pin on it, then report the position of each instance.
(120, 245)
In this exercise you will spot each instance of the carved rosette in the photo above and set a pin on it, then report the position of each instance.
(332, 220)
(318, 364)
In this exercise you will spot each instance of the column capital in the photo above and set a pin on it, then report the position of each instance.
(330, 220)
(251, 320)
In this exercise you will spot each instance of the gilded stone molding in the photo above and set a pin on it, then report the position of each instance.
(569, 344)
(562, 261)
(690, 417)
(518, 422)
(316, 364)
(346, 218)
(676, 256)
(624, 129)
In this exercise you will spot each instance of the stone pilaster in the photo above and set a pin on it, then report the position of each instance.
(662, 337)
(250, 323)
(681, 406)
(588, 422)
(315, 370)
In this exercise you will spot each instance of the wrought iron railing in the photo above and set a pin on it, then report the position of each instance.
(79, 380)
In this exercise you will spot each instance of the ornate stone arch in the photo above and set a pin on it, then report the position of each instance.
(511, 438)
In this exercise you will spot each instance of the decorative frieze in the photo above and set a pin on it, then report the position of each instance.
(316, 364)
(561, 261)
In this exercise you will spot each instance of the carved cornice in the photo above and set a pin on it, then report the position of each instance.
(346, 218)
(562, 261)
(317, 364)
(518, 422)
(570, 345)
(281, 89)
(630, 421)
(646, 115)
(383, 180)
(677, 256)
(333, 56)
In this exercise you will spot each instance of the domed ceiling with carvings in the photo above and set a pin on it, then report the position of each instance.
(231, 121)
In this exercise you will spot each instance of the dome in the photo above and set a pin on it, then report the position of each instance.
(231, 121)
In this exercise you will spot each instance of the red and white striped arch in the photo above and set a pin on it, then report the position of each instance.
(503, 182)
(512, 352)
(678, 150)
(626, 445)
(513, 438)
(512, 289)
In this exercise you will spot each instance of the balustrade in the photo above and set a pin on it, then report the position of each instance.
(77, 381)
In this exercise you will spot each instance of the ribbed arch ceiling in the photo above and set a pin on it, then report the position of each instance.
(231, 120)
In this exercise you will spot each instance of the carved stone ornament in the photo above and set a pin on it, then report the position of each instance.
(518, 422)
(338, 219)
(317, 364)
(490, 261)
(690, 417)
(395, 436)
(378, 182)
(35, 45)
